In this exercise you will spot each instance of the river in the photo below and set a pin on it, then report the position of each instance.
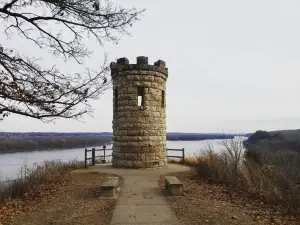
(11, 163)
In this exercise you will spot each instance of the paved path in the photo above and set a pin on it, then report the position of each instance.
(141, 201)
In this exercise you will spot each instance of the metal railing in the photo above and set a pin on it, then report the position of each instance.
(175, 156)
(94, 156)
(104, 155)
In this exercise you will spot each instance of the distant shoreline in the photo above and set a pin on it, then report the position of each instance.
(29, 142)
(82, 145)
(82, 134)
(50, 149)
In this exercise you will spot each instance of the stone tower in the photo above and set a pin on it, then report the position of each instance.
(139, 113)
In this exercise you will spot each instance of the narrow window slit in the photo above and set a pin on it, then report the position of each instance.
(116, 98)
(140, 96)
(162, 98)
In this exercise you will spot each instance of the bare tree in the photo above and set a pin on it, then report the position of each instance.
(234, 150)
(26, 88)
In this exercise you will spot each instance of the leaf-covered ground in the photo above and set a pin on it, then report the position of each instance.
(216, 204)
(74, 200)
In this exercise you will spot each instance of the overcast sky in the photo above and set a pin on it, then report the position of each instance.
(233, 66)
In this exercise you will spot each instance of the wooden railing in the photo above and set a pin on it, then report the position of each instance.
(104, 155)
(94, 156)
(175, 156)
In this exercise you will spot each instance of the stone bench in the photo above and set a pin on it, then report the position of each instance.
(173, 185)
(108, 188)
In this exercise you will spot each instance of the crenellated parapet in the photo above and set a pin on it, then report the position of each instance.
(123, 64)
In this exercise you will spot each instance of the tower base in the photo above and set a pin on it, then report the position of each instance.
(139, 164)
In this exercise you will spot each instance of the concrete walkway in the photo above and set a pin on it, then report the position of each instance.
(141, 201)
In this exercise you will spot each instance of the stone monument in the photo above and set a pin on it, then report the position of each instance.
(139, 113)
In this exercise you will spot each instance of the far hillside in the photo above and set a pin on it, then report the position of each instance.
(274, 140)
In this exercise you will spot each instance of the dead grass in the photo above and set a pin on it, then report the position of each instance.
(50, 172)
(72, 202)
(219, 204)
(274, 181)
(174, 160)
(189, 160)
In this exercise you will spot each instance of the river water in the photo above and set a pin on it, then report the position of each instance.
(11, 163)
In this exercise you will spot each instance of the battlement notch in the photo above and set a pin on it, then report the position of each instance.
(123, 64)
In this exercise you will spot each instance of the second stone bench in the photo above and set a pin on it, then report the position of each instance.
(174, 185)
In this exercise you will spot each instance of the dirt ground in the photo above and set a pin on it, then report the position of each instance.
(216, 204)
(76, 203)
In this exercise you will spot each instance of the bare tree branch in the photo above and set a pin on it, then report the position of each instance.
(46, 93)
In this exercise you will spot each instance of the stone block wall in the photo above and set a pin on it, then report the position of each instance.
(139, 131)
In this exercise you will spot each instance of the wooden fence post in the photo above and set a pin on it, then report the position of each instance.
(93, 156)
(104, 152)
(85, 156)
(183, 155)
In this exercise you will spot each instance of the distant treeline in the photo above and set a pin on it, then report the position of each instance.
(19, 142)
(197, 137)
(84, 134)
(49, 143)
(51, 134)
